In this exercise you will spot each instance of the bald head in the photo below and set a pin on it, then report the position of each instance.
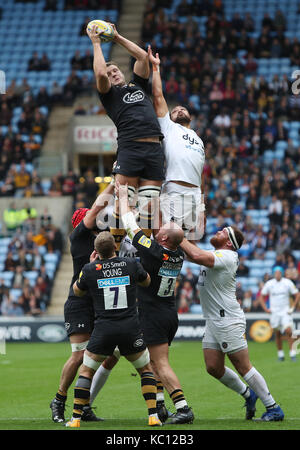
(170, 235)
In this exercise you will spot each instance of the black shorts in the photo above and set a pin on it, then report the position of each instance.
(159, 325)
(79, 316)
(141, 159)
(125, 333)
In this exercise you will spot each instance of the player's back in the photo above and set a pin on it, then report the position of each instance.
(112, 284)
(163, 266)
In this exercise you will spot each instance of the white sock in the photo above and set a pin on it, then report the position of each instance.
(280, 354)
(99, 380)
(232, 381)
(292, 353)
(257, 382)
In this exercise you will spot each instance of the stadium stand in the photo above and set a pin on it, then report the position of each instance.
(230, 62)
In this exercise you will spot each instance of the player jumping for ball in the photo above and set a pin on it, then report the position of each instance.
(140, 157)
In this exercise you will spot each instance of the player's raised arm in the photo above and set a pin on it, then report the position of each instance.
(196, 255)
(159, 102)
(127, 215)
(99, 64)
(141, 66)
(100, 203)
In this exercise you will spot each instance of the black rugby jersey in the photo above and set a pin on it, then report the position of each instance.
(82, 246)
(112, 284)
(163, 266)
(131, 110)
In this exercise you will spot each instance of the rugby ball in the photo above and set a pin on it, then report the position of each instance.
(107, 31)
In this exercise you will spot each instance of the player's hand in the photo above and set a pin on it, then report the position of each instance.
(93, 256)
(291, 310)
(121, 190)
(153, 59)
(116, 34)
(94, 34)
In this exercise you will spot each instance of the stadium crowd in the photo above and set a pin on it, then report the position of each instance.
(239, 115)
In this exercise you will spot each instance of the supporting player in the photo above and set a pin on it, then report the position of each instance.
(163, 259)
(116, 322)
(140, 157)
(182, 194)
(280, 290)
(79, 312)
(226, 323)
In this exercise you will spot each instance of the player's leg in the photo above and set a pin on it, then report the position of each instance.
(141, 362)
(78, 344)
(102, 374)
(214, 344)
(257, 384)
(148, 205)
(279, 345)
(287, 331)
(90, 365)
(159, 356)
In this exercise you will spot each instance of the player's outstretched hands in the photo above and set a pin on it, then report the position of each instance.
(94, 34)
(153, 59)
(116, 34)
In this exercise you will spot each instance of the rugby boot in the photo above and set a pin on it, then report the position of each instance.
(58, 410)
(88, 415)
(250, 405)
(273, 415)
(162, 411)
(154, 421)
(183, 415)
(73, 423)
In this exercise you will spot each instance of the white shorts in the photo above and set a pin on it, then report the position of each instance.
(181, 204)
(226, 335)
(281, 321)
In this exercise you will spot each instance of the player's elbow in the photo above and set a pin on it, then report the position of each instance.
(78, 292)
(146, 282)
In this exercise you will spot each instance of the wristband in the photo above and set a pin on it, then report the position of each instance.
(155, 68)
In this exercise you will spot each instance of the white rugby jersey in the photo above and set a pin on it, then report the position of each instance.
(127, 250)
(279, 293)
(217, 287)
(184, 152)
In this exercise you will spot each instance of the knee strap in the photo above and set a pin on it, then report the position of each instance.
(142, 361)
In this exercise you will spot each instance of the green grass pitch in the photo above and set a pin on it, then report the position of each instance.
(30, 374)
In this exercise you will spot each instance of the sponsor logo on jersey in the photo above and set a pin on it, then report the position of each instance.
(138, 343)
(111, 282)
(165, 257)
(170, 273)
(134, 97)
(144, 241)
(219, 254)
(98, 266)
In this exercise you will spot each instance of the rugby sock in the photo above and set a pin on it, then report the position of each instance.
(292, 353)
(81, 395)
(233, 381)
(149, 391)
(280, 354)
(160, 391)
(117, 232)
(257, 382)
(99, 379)
(61, 396)
(178, 399)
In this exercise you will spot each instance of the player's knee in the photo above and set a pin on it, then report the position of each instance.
(214, 370)
(142, 361)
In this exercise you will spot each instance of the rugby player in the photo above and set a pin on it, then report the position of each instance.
(163, 259)
(182, 194)
(111, 282)
(79, 312)
(280, 290)
(140, 157)
(225, 322)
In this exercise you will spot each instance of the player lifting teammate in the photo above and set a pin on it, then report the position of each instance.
(112, 281)
(163, 259)
(140, 157)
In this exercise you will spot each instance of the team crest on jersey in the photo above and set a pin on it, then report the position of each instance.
(144, 241)
(134, 97)
(219, 254)
(98, 266)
